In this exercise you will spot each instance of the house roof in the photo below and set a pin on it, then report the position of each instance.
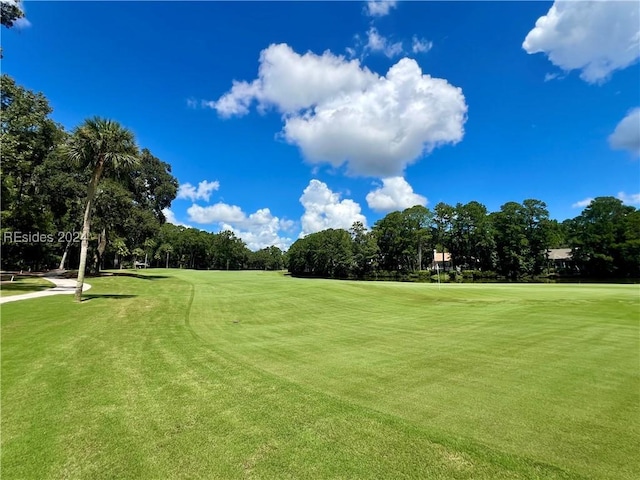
(559, 253)
(437, 256)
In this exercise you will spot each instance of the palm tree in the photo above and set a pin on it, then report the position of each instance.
(103, 146)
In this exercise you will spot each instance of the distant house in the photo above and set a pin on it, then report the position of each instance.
(443, 263)
(560, 258)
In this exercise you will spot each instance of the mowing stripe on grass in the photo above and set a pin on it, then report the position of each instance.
(181, 374)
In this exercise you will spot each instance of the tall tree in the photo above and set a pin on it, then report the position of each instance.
(417, 222)
(472, 242)
(538, 232)
(511, 240)
(395, 245)
(102, 146)
(152, 185)
(443, 224)
(522, 237)
(28, 137)
(365, 250)
(605, 238)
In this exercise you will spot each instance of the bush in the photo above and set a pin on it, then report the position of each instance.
(420, 276)
(444, 277)
(479, 275)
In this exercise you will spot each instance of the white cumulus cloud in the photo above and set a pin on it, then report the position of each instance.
(170, 217)
(596, 38)
(216, 213)
(338, 112)
(261, 229)
(395, 194)
(258, 230)
(202, 192)
(378, 43)
(324, 209)
(582, 203)
(292, 82)
(379, 8)
(626, 136)
(629, 198)
(384, 128)
(420, 45)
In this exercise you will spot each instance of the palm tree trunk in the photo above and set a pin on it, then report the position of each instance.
(64, 255)
(102, 246)
(86, 227)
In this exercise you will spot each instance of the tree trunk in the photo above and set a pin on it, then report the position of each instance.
(86, 227)
(167, 260)
(64, 255)
(419, 256)
(102, 246)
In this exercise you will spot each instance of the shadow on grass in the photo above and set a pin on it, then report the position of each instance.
(112, 296)
(133, 275)
(25, 288)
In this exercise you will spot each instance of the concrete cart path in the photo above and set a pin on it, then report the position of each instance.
(62, 286)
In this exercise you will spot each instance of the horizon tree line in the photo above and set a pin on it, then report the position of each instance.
(512, 243)
(95, 180)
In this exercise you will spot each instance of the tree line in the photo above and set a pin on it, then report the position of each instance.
(512, 243)
(54, 181)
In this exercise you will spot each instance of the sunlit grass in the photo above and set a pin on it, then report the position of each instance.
(21, 284)
(252, 374)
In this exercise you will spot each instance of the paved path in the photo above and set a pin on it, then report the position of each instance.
(62, 286)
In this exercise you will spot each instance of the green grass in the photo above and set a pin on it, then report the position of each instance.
(22, 285)
(256, 375)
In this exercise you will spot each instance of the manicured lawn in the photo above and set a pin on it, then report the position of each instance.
(182, 374)
(22, 285)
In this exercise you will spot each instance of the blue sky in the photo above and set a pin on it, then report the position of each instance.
(343, 111)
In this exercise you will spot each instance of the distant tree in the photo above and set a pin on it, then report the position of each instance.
(162, 253)
(326, 254)
(396, 247)
(334, 255)
(605, 238)
(522, 238)
(472, 242)
(101, 146)
(365, 250)
(137, 254)
(511, 240)
(112, 212)
(443, 224)
(628, 248)
(538, 232)
(418, 220)
(225, 251)
(559, 233)
(120, 249)
(273, 258)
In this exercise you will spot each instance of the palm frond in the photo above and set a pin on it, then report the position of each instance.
(100, 140)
